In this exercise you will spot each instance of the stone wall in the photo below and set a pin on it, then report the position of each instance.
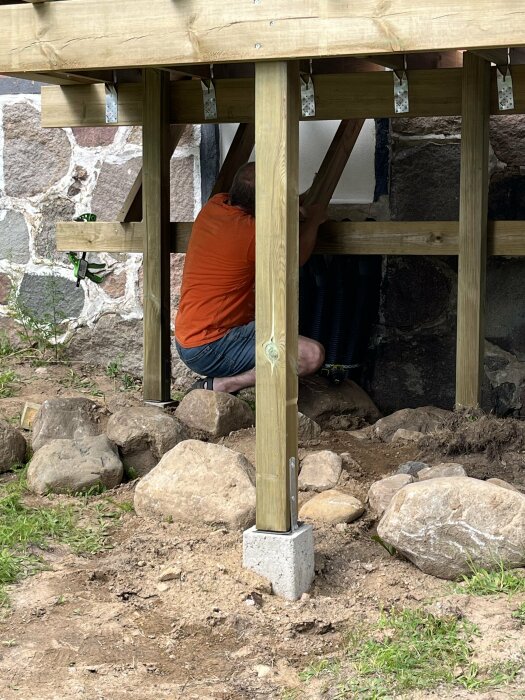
(48, 175)
(412, 357)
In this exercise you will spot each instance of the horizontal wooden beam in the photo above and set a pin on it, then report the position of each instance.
(341, 96)
(335, 238)
(87, 34)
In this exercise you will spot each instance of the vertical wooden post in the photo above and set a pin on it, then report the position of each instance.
(472, 229)
(277, 274)
(156, 216)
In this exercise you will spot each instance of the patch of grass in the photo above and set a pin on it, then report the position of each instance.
(484, 582)
(6, 347)
(73, 380)
(22, 529)
(8, 380)
(494, 677)
(327, 667)
(519, 613)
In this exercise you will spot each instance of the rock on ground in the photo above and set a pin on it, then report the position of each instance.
(75, 466)
(446, 526)
(411, 468)
(143, 435)
(66, 419)
(323, 401)
(332, 507)
(198, 482)
(308, 430)
(320, 471)
(402, 435)
(503, 484)
(381, 492)
(214, 412)
(445, 469)
(422, 420)
(12, 446)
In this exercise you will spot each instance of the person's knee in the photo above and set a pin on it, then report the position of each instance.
(312, 356)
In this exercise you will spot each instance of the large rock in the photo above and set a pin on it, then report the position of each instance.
(111, 339)
(425, 181)
(113, 185)
(49, 297)
(14, 237)
(423, 420)
(214, 412)
(320, 471)
(144, 434)
(198, 482)
(308, 430)
(34, 158)
(332, 507)
(61, 419)
(12, 447)
(56, 209)
(94, 136)
(507, 136)
(439, 471)
(75, 466)
(447, 526)
(320, 400)
(5, 288)
(383, 491)
(182, 199)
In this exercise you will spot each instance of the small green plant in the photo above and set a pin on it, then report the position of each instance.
(319, 668)
(73, 380)
(8, 380)
(129, 383)
(114, 368)
(519, 613)
(489, 582)
(6, 347)
(495, 676)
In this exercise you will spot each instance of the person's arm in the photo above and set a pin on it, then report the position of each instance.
(310, 218)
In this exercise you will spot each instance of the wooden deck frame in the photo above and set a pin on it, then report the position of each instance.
(61, 40)
(433, 93)
(94, 34)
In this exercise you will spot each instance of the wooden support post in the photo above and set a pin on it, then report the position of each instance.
(156, 216)
(472, 229)
(239, 152)
(277, 274)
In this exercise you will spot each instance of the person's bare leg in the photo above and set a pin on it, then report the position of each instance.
(310, 358)
(231, 384)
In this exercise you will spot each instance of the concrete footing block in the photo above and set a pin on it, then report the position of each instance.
(285, 559)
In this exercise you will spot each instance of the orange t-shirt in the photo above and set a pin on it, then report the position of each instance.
(219, 274)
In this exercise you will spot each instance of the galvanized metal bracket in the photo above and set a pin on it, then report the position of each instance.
(505, 89)
(401, 101)
(209, 100)
(292, 470)
(111, 103)
(307, 96)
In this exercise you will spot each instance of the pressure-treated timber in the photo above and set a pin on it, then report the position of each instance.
(472, 230)
(335, 238)
(89, 34)
(433, 93)
(156, 217)
(277, 283)
(238, 153)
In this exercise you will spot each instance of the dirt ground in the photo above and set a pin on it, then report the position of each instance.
(106, 628)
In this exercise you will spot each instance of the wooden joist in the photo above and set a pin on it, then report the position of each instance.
(340, 96)
(335, 238)
(88, 34)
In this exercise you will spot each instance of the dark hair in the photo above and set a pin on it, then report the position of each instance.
(242, 191)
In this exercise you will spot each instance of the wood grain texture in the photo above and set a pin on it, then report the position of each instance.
(88, 34)
(433, 93)
(335, 238)
(472, 230)
(277, 285)
(156, 218)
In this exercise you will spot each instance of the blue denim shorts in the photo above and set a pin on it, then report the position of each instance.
(232, 354)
